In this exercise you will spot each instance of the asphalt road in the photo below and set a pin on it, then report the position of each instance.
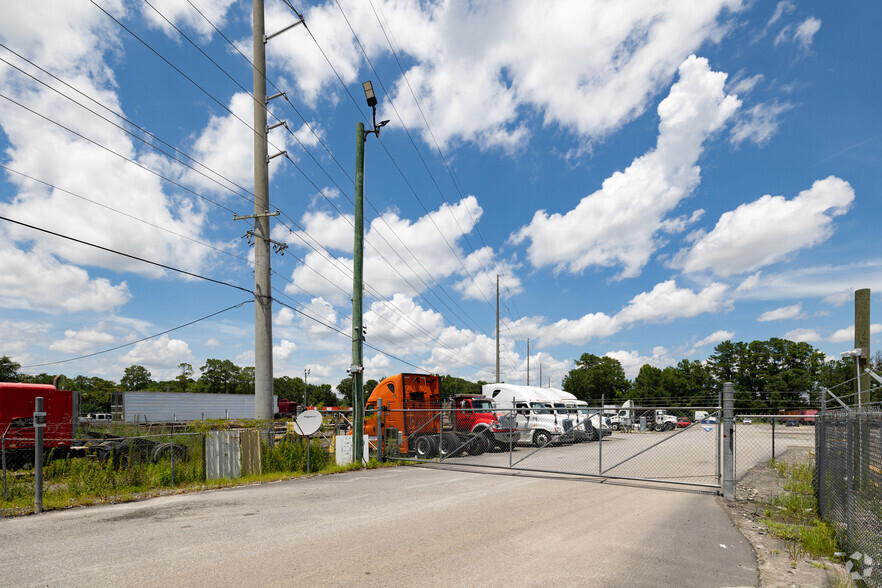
(407, 526)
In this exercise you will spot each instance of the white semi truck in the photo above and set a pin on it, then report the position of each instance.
(657, 419)
(537, 420)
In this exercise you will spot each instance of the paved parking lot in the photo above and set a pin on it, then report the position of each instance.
(406, 526)
(683, 455)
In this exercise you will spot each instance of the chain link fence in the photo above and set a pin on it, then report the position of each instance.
(106, 460)
(849, 486)
(760, 438)
(101, 462)
(660, 444)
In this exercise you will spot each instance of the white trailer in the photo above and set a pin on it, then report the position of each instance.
(168, 406)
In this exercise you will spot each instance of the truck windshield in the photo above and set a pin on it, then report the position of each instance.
(482, 404)
(539, 408)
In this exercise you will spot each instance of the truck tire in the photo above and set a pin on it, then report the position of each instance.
(490, 441)
(658, 427)
(476, 443)
(450, 445)
(425, 447)
(592, 433)
(669, 426)
(615, 426)
(164, 450)
(541, 438)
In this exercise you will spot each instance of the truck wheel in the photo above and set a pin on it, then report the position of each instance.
(615, 426)
(425, 447)
(450, 445)
(490, 441)
(669, 426)
(541, 438)
(477, 444)
(657, 427)
(163, 451)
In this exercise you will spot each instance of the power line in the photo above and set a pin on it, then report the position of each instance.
(306, 176)
(135, 257)
(121, 156)
(193, 322)
(127, 120)
(392, 103)
(135, 218)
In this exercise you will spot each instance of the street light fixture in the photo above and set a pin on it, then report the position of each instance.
(372, 102)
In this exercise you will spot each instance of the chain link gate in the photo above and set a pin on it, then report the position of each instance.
(674, 445)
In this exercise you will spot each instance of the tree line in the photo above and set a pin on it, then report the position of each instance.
(217, 376)
(768, 376)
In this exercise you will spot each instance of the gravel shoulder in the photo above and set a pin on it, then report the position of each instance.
(752, 493)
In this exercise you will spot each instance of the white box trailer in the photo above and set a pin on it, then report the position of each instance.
(181, 406)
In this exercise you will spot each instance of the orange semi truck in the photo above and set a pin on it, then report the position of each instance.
(412, 405)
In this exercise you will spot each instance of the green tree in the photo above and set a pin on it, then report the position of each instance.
(344, 388)
(595, 376)
(369, 387)
(245, 380)
(769, 375)
(8, 369)
(95, 393)
(135, 377)
(185, 377)
(451, 386)
(219, 376)
(288, 388)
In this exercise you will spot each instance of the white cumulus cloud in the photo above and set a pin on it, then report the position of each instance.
(785, 312)
(767, 230)
(617, 224)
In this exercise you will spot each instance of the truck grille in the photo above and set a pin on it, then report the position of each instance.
(507, 422)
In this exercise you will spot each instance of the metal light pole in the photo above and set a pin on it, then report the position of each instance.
(357, 368)
(305, 387)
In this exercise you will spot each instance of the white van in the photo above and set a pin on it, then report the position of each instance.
(535, 415)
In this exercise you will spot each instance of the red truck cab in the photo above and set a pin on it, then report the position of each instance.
(17, 411)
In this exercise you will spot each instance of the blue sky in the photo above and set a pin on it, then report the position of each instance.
(647, 181)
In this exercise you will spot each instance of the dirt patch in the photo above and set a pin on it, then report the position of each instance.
(777, 564)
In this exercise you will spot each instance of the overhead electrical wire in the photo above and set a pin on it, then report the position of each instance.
(123, 118)
(217, 101)
(370, 204)
(129, 255)
(306, 176)
(120, 155)
(392, 103)
(388, 153)
(147, 338)
(135, 218)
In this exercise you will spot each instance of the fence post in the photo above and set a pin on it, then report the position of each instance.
(849, 477)
(600, 436)
(171, 449)
(728, 441)
(39, 423)
(381, 431)
(821, 456)
(774, 420)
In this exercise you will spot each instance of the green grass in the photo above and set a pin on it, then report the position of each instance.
(82, 481)
(793, 514)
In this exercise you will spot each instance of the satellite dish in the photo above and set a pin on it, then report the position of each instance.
(308, 422)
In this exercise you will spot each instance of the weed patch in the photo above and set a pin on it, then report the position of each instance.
(793, 514)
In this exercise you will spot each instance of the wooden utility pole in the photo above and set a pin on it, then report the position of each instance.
(862, 342)
(497, 328)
